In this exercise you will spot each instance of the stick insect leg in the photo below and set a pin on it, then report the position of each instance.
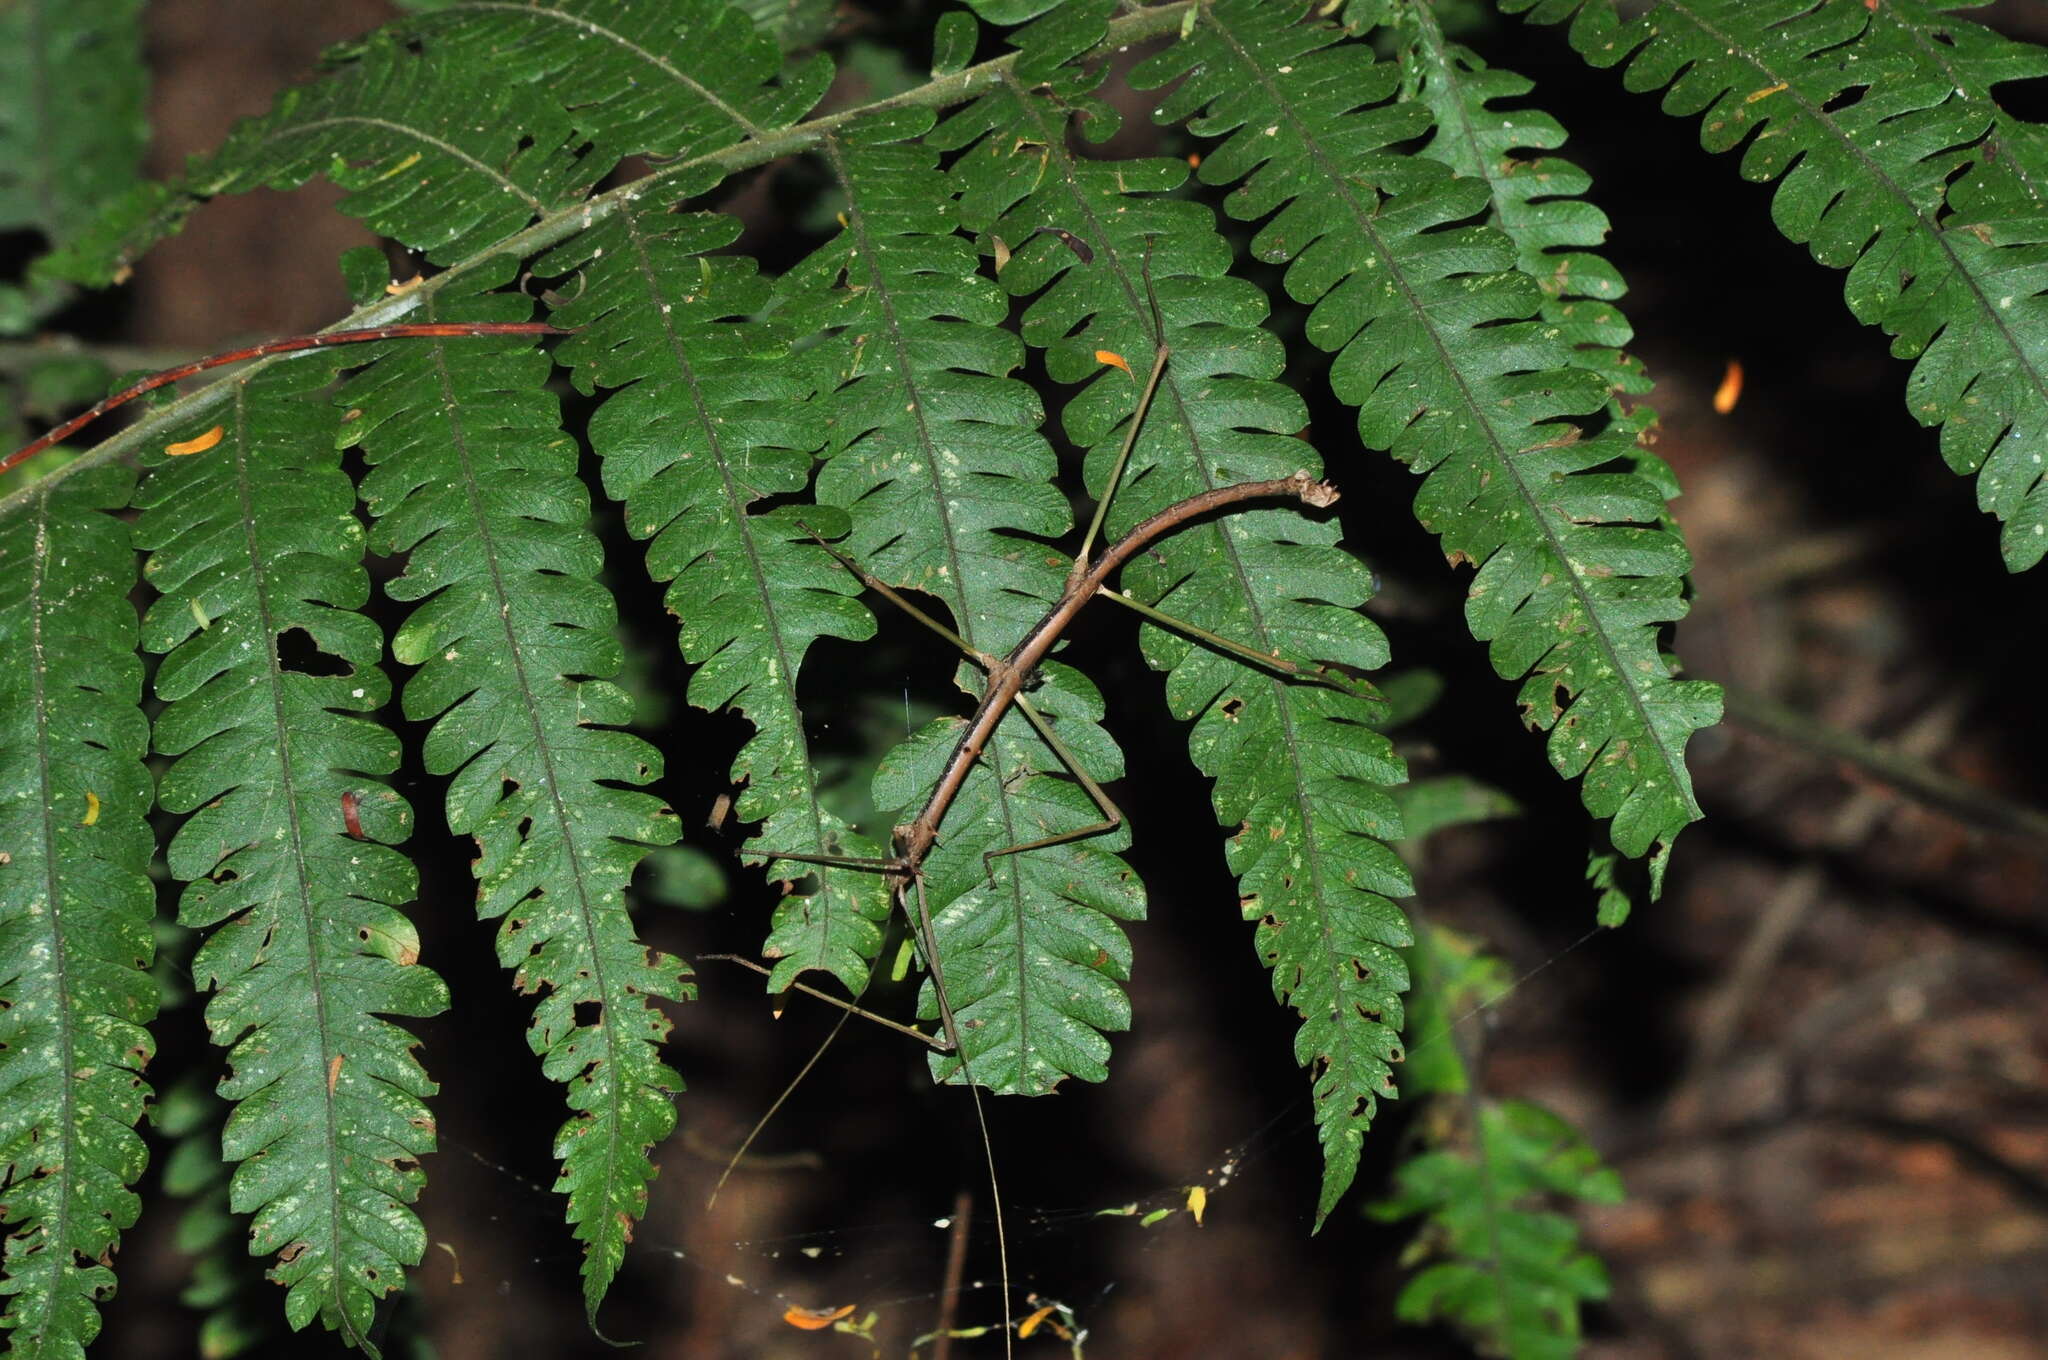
(847, 1012)
(1112, 816)
(1309, 675)
(890, 593)
(910, 882)
(848, 1006)
(988, 1147)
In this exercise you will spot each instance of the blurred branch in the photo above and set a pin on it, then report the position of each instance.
(1909, 774)
(18, 355)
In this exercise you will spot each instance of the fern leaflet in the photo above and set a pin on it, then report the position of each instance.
(675, 79)
(515, 640)
(433, 152)
(1432, 328)
(75, 908)
(1299, 774)
(255, 548)
(711, 416)
(1876, 129)
(936, 458)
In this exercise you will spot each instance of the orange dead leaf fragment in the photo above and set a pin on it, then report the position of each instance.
(1194, 160)
(198, 445)
(1730, 390)
(1002, 252)
(1764, 93)
(815, 1319)
(1032, 1323)
(333, 1073)
(1113, 359)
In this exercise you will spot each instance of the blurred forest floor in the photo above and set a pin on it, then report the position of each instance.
(1820, 1063)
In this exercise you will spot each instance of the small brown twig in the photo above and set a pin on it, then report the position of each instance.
(956, 1271)
(325, 339)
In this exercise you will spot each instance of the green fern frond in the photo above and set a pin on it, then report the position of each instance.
(58, 163)
(936, 458)
(1029, 943)
(516, 642)
(255, 549)
(712, 415)
(1498, 1264)
(1877, 129)
(1299, 772)
(434, 152)
(1538, 201)
(1436, 343)
(674, 79)
(75, 908)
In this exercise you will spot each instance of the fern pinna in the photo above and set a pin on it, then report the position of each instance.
(869, 401)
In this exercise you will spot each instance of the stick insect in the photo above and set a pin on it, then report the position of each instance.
(1008, 678)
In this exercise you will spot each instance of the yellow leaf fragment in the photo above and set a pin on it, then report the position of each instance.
(815, 1319)
(92, 809)
(198, 445)
(1198, 1200)
(408, 163)
(1764, 93)
(1730, 390)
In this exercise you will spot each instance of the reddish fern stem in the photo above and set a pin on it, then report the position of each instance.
(420, 329)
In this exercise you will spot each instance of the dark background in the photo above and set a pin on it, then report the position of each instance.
(1820, 1063)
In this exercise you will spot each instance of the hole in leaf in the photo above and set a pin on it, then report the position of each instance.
(589, 1013)
(1232, 707)
(1845, 99)
(298, 653)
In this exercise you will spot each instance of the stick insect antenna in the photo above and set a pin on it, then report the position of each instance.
(1138, 414)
